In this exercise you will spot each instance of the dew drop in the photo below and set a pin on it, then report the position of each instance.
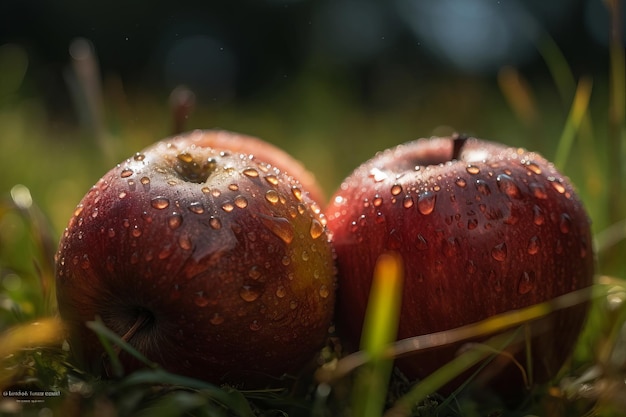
(254, 273)
(421, 243)
(174, 221)
(145, 181)
(85, 263)
(78, 210)
(165, 252)
(272, 179)
(233, 187)
(136, 232)
(272, 196)
(396, 189)
(483, 187)
(534, 245)
(472, 224)
(185, 157)
(293, 304)
(297, 193)
(139, 156)
(460, 182)
(228, 207)
(526, 282)
(408, 201)
(196, 207)
(160, 203)
(508, 186)
(324, 291)
(377, 175)
(248, 293)
(241, 202)
(305, 255)
(377, 201)
(557, 185)
(449, 247)
(426, 203)
(279, 226)
(215, 223)
(538, 217)
(255, 326)
(205, 190)
(316, 229)
(216, 319)
(122, 195)
(251, 172)
(472, 169)
(499, 252)
(538, 191)
(215, 192)
(94, 214)
(200, 300)
(111, 233)
(126, 173)
(565, 224)
(184, 242)
(281, 292)
(533, 167)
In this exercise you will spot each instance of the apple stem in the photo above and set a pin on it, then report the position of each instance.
(143, 318)
(459, 141)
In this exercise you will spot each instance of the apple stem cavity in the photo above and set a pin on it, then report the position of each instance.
(457, 147)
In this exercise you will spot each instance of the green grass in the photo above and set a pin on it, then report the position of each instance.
(47, 169)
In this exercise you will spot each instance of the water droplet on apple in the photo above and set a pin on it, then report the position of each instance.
(396, 189)
(324, 291)
(272, 196)
(111, 232)
(507, 186)
(449, 247)
(316, 229)
(556, 184)
(565, 224)
(272, 179)
(483, 187)
(472, 224)
(174, 221)
(377, 201)
(538, 190)
(228, 207)
(248, 293)
(233, 187)
(184, 242)
(498, 252)
(526, 282)
(255, 326)
(200, 300)
(297, 193)
(126, 173)
(460, 182)
(251, 172)
(421, 243)
(185, 157)
(533, 245)
(305, 255)
(165, 252)
(377, 175)
(136, 232)
(145, 181)
(281, 292)
(216, 319)
(215, 192)
(160, 203)
(139, 156)
(196, 207)
(85, 263)
(293, 304)
(254, 273)
(472, 169)
(215, 223)
(426, 203)
(122, 195)
(533, 167)
(279, 226)
(408, 201)
(538, 217)
(241, 202)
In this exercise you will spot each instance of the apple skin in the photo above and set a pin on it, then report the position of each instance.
(482, 229)
(225, 256)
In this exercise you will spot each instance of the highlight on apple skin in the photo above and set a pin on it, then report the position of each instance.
(204, 253)
(483, 229)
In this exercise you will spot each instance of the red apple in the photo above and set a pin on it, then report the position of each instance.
(204, 256)
(482, 228)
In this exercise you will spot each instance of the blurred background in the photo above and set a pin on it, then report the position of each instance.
(84, 85)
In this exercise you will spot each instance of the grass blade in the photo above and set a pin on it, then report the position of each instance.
(379, 330)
